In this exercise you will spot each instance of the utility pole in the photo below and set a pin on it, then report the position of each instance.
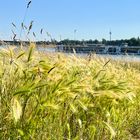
(110, 35)
(75, 34)
(60, 37)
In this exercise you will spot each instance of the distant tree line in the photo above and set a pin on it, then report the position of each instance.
(131, 42)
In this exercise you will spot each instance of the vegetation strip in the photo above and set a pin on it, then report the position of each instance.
(67, 97)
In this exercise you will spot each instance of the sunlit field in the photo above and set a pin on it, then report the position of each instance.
(58, 97)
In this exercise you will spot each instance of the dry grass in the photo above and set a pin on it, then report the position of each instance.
(58, 97)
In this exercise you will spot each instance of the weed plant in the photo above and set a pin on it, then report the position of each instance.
(59, 97)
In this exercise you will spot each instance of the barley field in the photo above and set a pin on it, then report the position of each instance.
(58, 97)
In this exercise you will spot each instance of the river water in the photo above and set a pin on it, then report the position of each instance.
(115, 57)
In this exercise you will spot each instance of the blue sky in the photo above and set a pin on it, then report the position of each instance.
(91, 18)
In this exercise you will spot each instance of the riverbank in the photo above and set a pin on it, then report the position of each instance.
(68, 97)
